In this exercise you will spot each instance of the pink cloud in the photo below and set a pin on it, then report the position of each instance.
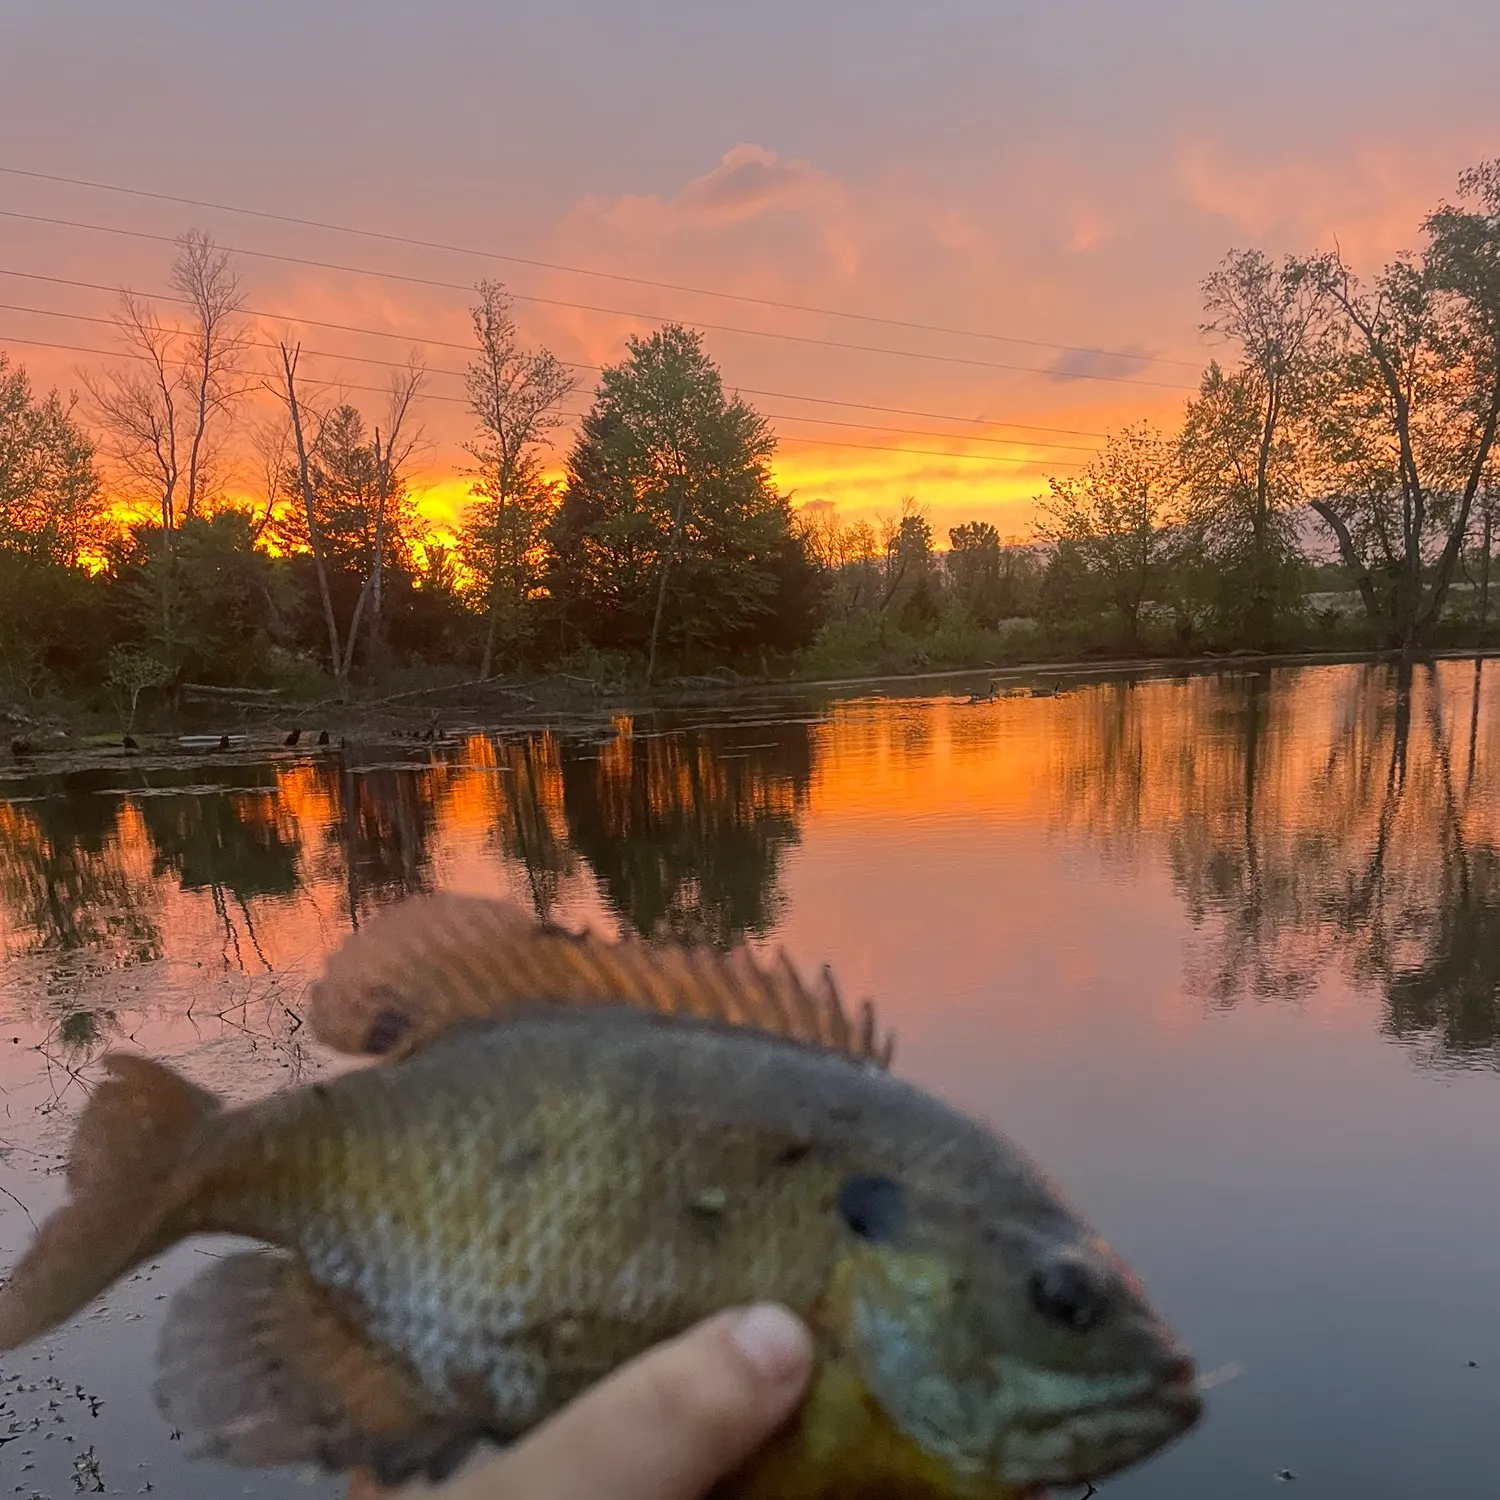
(1369, 196)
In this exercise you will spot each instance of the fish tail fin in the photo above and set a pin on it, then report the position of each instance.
(125, 1184)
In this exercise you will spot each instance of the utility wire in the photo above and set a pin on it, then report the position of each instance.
(453, 286)
(547, 265)
(808, 441)
(393, 364)
(386, 333)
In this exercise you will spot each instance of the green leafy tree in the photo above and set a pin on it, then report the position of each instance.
(1241, 496)
(911, 595)
(974, 562)
(670, 534)
(52, 518)
(1241, 450)
(992, 580)
(228, 599)
(514, 395)
(1409, 408)
(430, 620)
(51, 507)
(1116, 523)
(129, 673)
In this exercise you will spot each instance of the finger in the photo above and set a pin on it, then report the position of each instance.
(666, 1426)
(669, 1425)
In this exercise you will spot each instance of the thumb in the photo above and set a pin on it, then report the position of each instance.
(666, 1426)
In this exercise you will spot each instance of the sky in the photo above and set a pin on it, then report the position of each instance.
(1042, 187)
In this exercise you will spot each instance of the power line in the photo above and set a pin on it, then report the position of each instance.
(572, 364)
(779, 416)
(453, 286)
(984, 458)
(393, 364)
(547, 265)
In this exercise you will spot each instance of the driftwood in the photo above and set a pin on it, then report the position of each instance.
(208, 690)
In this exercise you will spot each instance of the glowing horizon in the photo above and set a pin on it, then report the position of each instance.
(1052, 190)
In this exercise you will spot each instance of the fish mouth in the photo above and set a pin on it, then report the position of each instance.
(1094, 1440)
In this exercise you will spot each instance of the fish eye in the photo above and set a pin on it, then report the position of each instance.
(874, 1208)
(1068, 1294)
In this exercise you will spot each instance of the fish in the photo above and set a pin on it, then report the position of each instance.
(562, 1149)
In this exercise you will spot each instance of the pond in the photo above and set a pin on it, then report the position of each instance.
(1221, 950)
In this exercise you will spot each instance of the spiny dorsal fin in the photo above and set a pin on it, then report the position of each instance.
(435, 961)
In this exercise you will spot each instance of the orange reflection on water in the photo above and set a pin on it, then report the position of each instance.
(1293, 820)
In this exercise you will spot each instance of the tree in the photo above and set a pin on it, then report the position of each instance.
(52, 518)
(670, 532)
(848, 553)
(514, 395)
(1410, 407)
(911, 588)
(395, 512)
(356, 515)
(1239, 448)
(228, 598)
(128, 673)
(304, 437)
(1242, 487)
(51, 508)
(1114, 522)
(974, 563)
(162, 412)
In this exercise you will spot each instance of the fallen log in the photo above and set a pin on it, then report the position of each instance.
(209, 690)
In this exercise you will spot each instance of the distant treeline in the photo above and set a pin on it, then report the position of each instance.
(1370, 405)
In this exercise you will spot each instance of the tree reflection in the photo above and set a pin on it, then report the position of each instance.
(229, 842)
(386, 820)
(530, 827)
(1338, 816)
(232, 845)
(687, 831)
(1445, 983)
(68, 882)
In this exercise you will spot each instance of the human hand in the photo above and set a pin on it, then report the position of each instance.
(667, 1426)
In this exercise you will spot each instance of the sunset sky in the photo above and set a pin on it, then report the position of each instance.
(1053, 181)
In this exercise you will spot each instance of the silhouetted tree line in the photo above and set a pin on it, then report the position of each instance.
(1364, 411)
(666, 543)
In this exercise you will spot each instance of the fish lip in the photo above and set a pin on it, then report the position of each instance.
(1175, 1405)
(1178, 1393)
(1177, 1398)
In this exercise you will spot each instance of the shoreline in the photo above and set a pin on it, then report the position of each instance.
(408, 726)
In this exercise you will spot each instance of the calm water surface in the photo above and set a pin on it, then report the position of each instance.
(1222, 951)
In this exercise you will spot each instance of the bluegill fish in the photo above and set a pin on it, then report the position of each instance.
(571, 1150)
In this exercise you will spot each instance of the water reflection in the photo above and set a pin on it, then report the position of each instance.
(686, 832)
(1308, 819)
(70, 883)
(1330, 817)
(1100, 917)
